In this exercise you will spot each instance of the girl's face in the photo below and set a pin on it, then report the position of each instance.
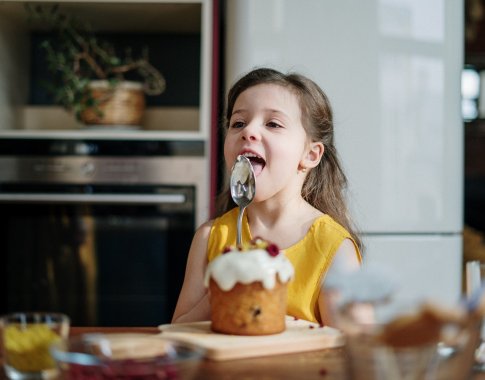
(265, 126)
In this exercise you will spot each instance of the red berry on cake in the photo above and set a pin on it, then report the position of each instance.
(273, 250)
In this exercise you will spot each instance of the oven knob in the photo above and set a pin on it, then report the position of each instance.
(88, 169)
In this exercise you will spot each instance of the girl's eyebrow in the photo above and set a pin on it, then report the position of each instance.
(238, 111)
(269, 110)
(282, 113)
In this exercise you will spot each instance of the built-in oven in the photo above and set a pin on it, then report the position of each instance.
(99, 230)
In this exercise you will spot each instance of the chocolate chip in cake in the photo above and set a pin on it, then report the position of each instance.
(255, 310)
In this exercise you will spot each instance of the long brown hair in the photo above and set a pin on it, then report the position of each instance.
(325, 185)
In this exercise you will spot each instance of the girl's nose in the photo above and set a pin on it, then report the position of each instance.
(251, 132)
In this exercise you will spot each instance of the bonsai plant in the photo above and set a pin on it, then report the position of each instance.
(77, 57)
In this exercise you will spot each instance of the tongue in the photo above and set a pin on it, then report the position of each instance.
(257, 167)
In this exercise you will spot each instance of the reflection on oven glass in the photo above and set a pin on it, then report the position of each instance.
(101, 264)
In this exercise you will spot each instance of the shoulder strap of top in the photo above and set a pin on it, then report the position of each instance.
(223, 233)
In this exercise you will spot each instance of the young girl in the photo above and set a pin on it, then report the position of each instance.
(283, 124)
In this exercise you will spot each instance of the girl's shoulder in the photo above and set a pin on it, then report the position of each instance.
(223, 222)
(325, 229)
(202, 233)
(205, 227)
(227, 217)
(325, 223)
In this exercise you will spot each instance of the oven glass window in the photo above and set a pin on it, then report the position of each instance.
(102, 264)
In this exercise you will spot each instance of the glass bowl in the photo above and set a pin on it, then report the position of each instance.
(26, 338)
(125, 356)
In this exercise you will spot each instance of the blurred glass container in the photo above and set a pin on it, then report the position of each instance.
(389, 336)
(424, 342)
(125, 356)
(26, 338)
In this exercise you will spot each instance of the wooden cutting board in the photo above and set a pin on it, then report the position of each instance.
(299, 336)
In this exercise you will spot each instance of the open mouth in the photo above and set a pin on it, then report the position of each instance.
(257, 162)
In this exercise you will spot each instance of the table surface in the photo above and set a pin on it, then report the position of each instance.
(326, 364)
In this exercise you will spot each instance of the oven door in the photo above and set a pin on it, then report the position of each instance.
(105, 256)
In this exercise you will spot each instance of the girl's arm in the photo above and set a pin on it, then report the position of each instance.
(193, 303)
(345, 260)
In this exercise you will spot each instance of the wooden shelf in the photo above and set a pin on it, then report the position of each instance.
(181, 121)
(151, 17)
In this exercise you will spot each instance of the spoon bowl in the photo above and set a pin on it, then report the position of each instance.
(243, 188)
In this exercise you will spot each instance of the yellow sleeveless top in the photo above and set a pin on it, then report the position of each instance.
(311, 257)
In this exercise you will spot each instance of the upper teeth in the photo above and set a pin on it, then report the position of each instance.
(247, 154)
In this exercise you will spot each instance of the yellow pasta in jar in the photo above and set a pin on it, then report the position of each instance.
(27, 347)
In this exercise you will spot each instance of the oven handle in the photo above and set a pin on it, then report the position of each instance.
(176, 198)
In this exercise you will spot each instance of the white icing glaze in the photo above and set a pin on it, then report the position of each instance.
(247, 267)
(241, 172)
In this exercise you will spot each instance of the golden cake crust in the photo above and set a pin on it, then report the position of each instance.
(248, 309)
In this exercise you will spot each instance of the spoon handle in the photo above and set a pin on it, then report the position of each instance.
(239, 226)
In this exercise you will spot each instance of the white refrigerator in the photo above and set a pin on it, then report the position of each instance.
(392, 70)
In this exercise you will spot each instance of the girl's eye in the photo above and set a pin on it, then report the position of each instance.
(237, 124)
(273, 124)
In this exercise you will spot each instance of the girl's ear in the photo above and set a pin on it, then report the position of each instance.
(313, 155)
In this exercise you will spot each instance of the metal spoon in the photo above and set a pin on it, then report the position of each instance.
(243, 188)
